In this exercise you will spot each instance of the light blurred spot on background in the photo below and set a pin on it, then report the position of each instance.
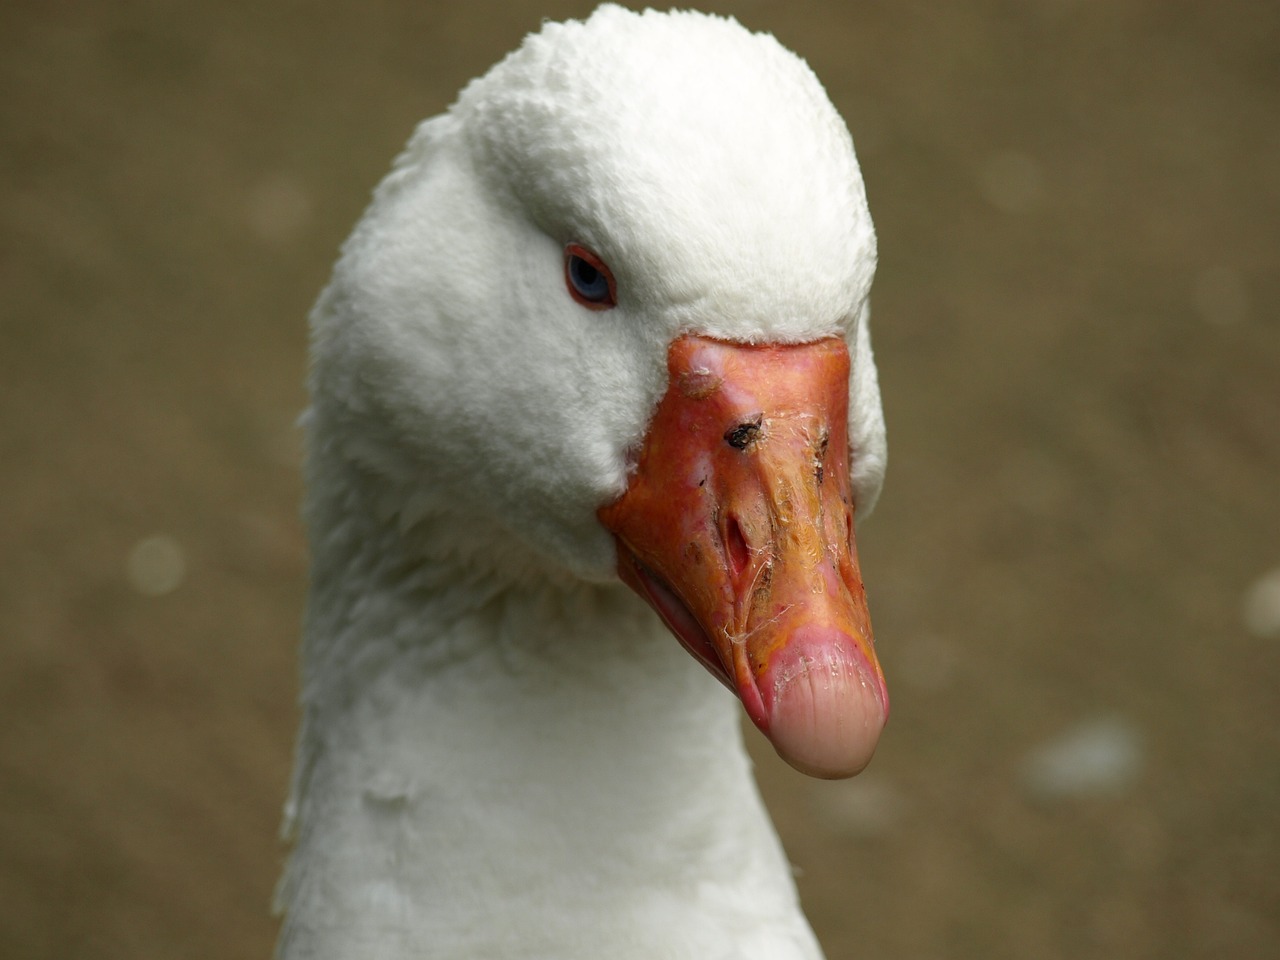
(156, 565)
(868, 806)
(1012, 182)
(1221, 295)
(1097, 757)
(1262, 606)
(278, 209)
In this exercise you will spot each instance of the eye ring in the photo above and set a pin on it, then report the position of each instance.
(588, 279)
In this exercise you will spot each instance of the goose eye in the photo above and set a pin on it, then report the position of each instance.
(589, 281)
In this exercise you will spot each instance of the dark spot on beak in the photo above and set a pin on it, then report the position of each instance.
(745, 433)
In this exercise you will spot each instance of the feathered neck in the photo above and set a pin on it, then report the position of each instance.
(499, 768)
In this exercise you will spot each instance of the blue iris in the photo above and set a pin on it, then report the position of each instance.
(590, 283)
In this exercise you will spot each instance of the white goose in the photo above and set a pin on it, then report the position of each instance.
(606, 318)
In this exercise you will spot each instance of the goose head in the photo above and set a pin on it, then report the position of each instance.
(607, 318)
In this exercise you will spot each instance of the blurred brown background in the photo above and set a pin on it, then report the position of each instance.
(1073, 570)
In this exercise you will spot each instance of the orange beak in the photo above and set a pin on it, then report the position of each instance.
(737, 527)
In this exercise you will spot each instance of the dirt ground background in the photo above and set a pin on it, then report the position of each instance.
(1076, 318)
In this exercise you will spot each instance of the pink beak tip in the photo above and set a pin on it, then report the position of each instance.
(825, 707)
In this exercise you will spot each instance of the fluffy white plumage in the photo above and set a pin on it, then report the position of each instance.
(503, 753)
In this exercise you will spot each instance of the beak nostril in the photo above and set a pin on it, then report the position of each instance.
(736, 548)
